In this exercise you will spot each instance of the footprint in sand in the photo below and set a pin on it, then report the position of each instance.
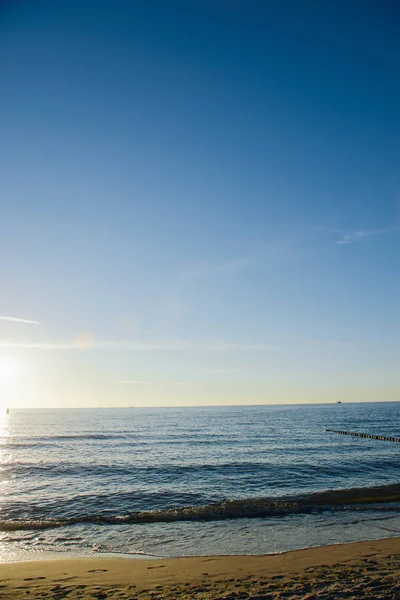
(98, 571)
(209, 560)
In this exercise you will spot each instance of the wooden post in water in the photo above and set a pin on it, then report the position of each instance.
(366, 435)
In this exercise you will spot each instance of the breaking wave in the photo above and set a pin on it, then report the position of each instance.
(382, 498)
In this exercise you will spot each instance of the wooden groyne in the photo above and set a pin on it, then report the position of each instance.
(366, 435)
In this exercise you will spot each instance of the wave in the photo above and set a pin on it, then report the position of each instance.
(380, 498)
(229, 468)
(54, 438)
(139, 438)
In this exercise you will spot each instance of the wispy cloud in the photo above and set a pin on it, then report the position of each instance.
(221, 345)
(229, 266)
(138, 345)
(352, 237)
(323, 343)
(96, 345)
(141, 382)
(222, 370)
(19, 320)
(277, 245)
(211, 346)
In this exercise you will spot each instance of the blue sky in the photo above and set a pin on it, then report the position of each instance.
(200, 202)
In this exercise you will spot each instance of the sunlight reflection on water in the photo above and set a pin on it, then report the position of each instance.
(5, 457)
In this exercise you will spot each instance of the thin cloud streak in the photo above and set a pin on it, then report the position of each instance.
(323, 343)
(222, 345)
(111, 345)
(19, 320)
(230, 266)
(353, 237)
(140, 382)
(96, 345)
(169, 346)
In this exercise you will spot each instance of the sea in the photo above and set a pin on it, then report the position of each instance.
(164, 482)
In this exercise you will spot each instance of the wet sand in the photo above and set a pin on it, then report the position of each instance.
(362, 570)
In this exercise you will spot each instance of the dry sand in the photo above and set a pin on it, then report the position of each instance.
(361, 570)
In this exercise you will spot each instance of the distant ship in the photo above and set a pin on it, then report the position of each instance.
(338, 402)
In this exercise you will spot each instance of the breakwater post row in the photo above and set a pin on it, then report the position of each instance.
(366, 435)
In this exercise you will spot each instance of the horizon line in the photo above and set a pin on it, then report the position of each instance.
(131, 406)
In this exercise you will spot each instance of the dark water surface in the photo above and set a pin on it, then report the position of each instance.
(184, 481)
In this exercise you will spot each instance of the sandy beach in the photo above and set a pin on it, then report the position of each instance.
(368, 569)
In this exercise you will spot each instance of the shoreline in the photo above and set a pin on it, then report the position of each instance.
(369, 568)
(25, 557)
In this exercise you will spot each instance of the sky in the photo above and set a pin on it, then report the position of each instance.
(199, 202)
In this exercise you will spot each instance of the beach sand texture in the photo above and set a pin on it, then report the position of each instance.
(368, 569)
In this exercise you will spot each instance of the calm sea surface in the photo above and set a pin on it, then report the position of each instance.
(190, 481)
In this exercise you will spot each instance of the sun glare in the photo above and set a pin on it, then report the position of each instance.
(9, 368)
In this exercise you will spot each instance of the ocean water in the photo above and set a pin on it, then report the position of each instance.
(195, 481)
